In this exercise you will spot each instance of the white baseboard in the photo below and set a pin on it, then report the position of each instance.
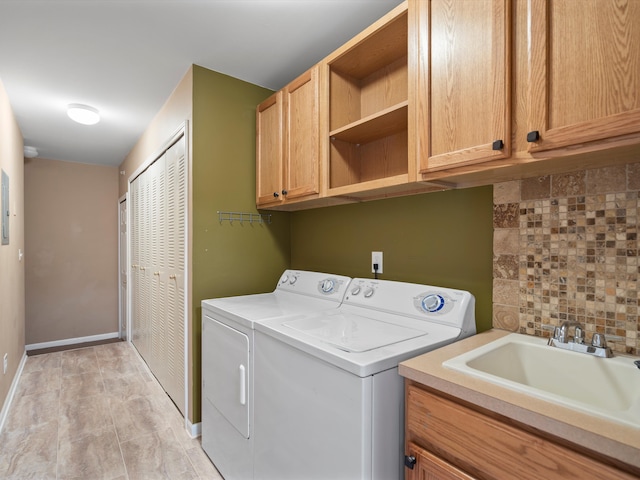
(72, 341)
(4, 413)
(194, 429)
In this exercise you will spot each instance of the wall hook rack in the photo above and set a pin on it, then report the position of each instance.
(244, 217)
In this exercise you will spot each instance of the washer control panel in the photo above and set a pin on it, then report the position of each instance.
(289, 278)
(433, 302)
(313, 283)
(362, 289)
(445, 306)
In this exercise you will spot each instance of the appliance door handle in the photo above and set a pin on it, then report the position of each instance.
(243, 389)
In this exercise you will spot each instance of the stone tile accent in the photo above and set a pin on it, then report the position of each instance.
(506, 317)
(505, 215)
(576, 256)
(506, 192)
(607, 179)
(568, 184)
(633, 176)
(536, 187)
(505, 266)
(506, 240)
(506, 292)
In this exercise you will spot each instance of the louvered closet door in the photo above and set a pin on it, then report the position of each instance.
(158, 215)
(158, 239)
(176, 210)
(145, 265)
(134, 279)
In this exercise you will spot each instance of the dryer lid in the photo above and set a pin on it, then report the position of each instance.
(351, 332)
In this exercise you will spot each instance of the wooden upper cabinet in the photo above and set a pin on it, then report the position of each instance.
(302, 136)
(462, 96)
(368, 109)
(584, 71)
(288, 143)
(269, 146)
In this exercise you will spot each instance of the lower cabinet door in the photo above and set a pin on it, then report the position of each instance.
(430, 467)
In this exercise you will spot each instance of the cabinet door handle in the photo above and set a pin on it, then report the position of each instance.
(533, 136)
(409, 461)
(498, 145)
(276, 194)
(284, 192)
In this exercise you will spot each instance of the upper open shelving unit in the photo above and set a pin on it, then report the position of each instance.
(368, 107)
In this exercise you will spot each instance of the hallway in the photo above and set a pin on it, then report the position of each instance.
(96, 413)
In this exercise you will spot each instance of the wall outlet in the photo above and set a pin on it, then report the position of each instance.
(5, 363)
(376, 258)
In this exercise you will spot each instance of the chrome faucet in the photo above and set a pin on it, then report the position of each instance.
(561, 339)
(578, 334)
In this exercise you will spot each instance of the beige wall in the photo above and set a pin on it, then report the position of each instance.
(175, 111)
(12, 270)
(72, 250)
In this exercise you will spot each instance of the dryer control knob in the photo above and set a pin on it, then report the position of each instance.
(355, 290)
(327, 285)
(369, 292)
(293, 280)
(284, 279)
(433, 302)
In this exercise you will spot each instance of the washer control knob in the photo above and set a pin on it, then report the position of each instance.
(327, 285)
(293, 280)
(369, 292)
(355, 290)
(433, 303)
(284, 279)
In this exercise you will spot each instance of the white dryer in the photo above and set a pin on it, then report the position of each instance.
(329, 399)
(228, 366)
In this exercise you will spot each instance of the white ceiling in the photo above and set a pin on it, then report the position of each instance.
(125, 57)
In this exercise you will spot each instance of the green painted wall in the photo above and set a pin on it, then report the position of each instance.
(442, 238)
(228, 259)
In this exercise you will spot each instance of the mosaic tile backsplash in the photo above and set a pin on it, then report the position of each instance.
(566, 248)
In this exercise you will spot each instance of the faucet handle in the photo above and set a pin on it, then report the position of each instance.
(599, 340)
(578, 335)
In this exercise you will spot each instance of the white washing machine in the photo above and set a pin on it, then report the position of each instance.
(329, 402)
(227, 360)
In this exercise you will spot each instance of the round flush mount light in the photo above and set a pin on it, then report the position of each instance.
(30, 152)
(83, 114)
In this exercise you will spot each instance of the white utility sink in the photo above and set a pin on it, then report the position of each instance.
(605, 387)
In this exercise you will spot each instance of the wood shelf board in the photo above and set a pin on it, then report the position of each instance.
(376, 50)
(382, 124)
(368, 187)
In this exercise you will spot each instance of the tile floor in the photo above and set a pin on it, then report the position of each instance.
(96, 413)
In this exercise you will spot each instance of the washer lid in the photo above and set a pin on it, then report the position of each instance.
(351, 332)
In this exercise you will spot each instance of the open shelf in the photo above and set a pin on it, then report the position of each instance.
(381, 124)
(368, 107)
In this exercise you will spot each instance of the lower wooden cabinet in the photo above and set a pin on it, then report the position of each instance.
(429, 467)
(453, 441)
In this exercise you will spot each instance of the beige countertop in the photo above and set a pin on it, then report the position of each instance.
(612, 439)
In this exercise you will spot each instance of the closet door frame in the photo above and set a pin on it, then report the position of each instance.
(181, 131)
(124, 328)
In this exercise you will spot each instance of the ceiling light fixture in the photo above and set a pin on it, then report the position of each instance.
(30, 152)
(83, 114)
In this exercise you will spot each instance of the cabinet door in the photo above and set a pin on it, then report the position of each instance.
(430, 467)
(302, 136)
(269, 150)
(584, 71)
(463, 99)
